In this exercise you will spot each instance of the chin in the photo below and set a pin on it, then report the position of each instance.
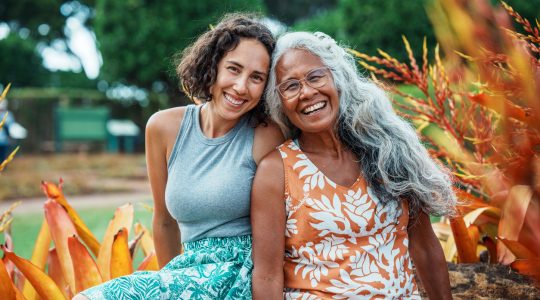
(317, 126)
(234, 114)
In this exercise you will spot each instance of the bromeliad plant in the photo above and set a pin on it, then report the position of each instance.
(3, 119)
(77, 260)
(478, 111)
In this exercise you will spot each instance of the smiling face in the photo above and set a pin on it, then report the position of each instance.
(313, 109)
(240, 81)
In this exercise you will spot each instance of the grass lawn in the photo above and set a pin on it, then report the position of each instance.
(25, 227)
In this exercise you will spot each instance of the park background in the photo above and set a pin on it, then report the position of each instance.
(113, 60)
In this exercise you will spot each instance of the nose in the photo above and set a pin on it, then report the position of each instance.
(240, 85)
(306, 91)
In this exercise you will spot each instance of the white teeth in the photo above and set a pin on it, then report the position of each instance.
(232, 100)
(313, 107)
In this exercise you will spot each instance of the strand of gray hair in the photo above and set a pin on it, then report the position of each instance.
(391, 156)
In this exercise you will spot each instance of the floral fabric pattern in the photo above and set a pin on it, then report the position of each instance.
(211, 268)
(341, 242)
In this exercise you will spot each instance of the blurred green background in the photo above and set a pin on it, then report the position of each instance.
(119, 53)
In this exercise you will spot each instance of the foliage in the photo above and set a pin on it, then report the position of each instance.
(20, 62)
(289, 12)
(10, 157)
(478, 111)
(368, 25)
(78, 260)
(529, 9)
(68, 79)
(37, 23)
(138, 39)
(371, 25)
(42, 20)
(30, 14)
(329, 22)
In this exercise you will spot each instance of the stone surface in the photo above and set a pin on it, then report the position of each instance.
(485, 281)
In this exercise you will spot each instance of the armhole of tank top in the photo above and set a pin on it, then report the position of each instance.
(286, 191)
(186, 121)
(249, 150)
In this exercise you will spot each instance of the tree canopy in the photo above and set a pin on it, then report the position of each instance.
(138, 38)
(20, 62)
(368, 25)
(289, 12)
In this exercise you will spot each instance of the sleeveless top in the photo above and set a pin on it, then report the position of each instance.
(209, 180)
(340, 242)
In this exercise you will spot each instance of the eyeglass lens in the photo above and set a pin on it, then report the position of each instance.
(315, 78)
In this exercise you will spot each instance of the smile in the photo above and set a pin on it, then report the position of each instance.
(233, 101)
(314, 108)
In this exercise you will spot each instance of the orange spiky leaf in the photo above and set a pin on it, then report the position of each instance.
(44, 285)
(466, 251)
(54, 192)
(123, 218)
(150, 263)
(55, 272)
(86, 271)
(6, 285)
(39, 257)
(121, 263)
(61, 228)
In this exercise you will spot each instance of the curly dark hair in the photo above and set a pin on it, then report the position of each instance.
(197, 67)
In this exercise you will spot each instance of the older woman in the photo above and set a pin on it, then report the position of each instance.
(351, 189)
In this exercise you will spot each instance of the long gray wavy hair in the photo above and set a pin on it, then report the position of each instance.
(392, 159)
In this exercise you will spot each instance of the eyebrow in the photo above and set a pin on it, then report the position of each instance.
(305, 75)
(241, 66)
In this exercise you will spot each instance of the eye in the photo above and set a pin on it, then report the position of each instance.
(291, 85)
(258, 78)
(234, 69)
(315, 77)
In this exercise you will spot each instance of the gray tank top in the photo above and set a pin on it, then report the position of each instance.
(209, 180)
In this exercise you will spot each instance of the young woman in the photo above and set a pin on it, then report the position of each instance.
(201, 161)
(351, 189)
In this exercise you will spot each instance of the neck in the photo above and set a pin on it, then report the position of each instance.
(327, 143)
(212, 124)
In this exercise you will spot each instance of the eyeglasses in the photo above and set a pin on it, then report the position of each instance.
(316, 78)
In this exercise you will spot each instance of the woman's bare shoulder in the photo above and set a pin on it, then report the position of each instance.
(163, 126)
(165, 118)
(271, 163)
(267, 137)
(269, 128)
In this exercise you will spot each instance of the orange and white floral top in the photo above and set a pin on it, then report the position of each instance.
(341, 243)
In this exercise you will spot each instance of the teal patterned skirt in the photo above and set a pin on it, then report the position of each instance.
(211, 268)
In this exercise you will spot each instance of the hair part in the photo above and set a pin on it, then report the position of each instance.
(392, 159)
(197, 65)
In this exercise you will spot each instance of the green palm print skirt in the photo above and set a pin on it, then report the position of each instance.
(211, 268)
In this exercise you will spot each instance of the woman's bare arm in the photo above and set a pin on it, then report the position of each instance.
(158, 143)
(428, 257)
(268, 222)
